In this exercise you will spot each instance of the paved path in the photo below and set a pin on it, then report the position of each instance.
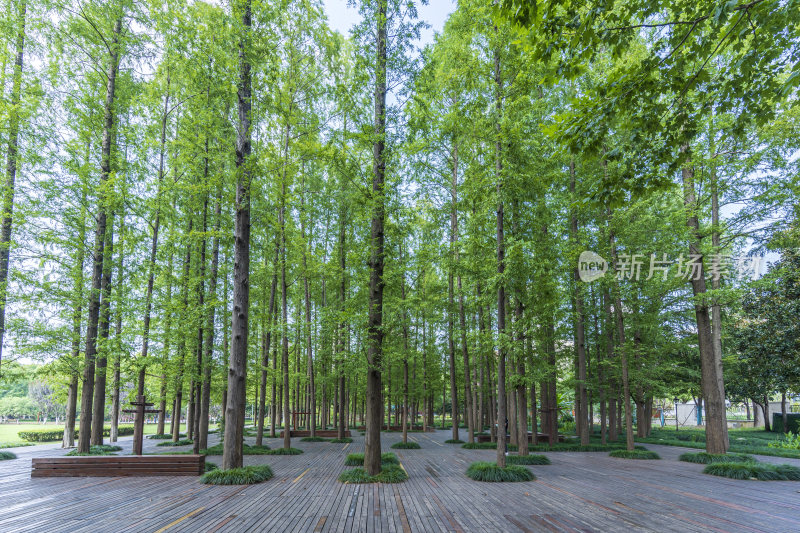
(578, 492)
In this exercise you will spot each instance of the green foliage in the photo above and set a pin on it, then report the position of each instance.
(790, 441)
(247, 475)
(284, 451)
(314, 439)
(49, 435)
(756, 471)
(210, 466)
(793, 421)
(345, 440)
(454, 441)
(103, 449)
(4, 456)
(388, 474)
(527, 460)
(356, 459)
(410, 445)
(483, 471)
(181, 442)
(634, 454)
(164, 436)
(246, 450)
(480, 446)
(713, 458)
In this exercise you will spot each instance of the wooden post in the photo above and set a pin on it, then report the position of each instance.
(138, 423)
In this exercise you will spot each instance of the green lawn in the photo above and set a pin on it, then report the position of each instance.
(8, 432)
(749, 440)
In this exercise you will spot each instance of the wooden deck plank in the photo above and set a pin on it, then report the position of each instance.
(578, 492)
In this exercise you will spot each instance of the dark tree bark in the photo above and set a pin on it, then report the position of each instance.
(90, 351)
(11, 169)
(580, 334)
(711, 366)
(501, 267)
(237, 367)
(265, 350)
(623, 350)
(372, 440)
(287, 437)
(176, 411)
(312, 396)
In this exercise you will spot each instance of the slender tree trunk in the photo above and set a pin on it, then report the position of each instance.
(287, 437)
(580, 334)
(711, 366)
(115, 393)
(68, 440)
(405, 354)
(372, 441)
(205, 399)
(265, 352)
(623, 350)
(501, 266)
(85, 431)
(237, 369)
(312, 400)
(11, 169)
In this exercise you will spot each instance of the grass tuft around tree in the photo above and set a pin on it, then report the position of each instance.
(490, 472)
(754, 471)
(182, 442)
(527, 460)
(715, 458)
(246, 450)
(284, 451)
(410, 445)
(634, 454)
(165, 436)
(454, 441)
(357, 459)
(211, 466)
(345, 440)
(246, 475)
(389, 474)
(314, 439)
(102, 449)
(5, 456)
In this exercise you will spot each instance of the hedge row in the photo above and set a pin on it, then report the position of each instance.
(48, 435)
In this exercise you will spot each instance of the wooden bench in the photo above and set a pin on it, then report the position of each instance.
(119, 465)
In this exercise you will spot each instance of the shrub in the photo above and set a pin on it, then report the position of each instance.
(103, 449)
(164, 436)
(388, 474)
(182, 442)
(246, 450)
(5, 456)
(357, 459)
(793, 420)
(527, 460)
(342, 441)
(759, 471)
(410, 445)
(211, 466)
(790, 441)
(634, 454)
(713, 458)
(483, 471)
(284, 451)
(313, 439)
(480, 446)
(454, 441)
(50, 435)
(247, 475)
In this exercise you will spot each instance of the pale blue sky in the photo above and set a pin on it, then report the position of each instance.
(342, 17)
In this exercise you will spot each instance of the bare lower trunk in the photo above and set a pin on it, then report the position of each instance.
(711, 365)
(372, 441)
(90, 351)
(237, 366)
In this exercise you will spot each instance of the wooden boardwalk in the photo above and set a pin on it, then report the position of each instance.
(578, 492)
